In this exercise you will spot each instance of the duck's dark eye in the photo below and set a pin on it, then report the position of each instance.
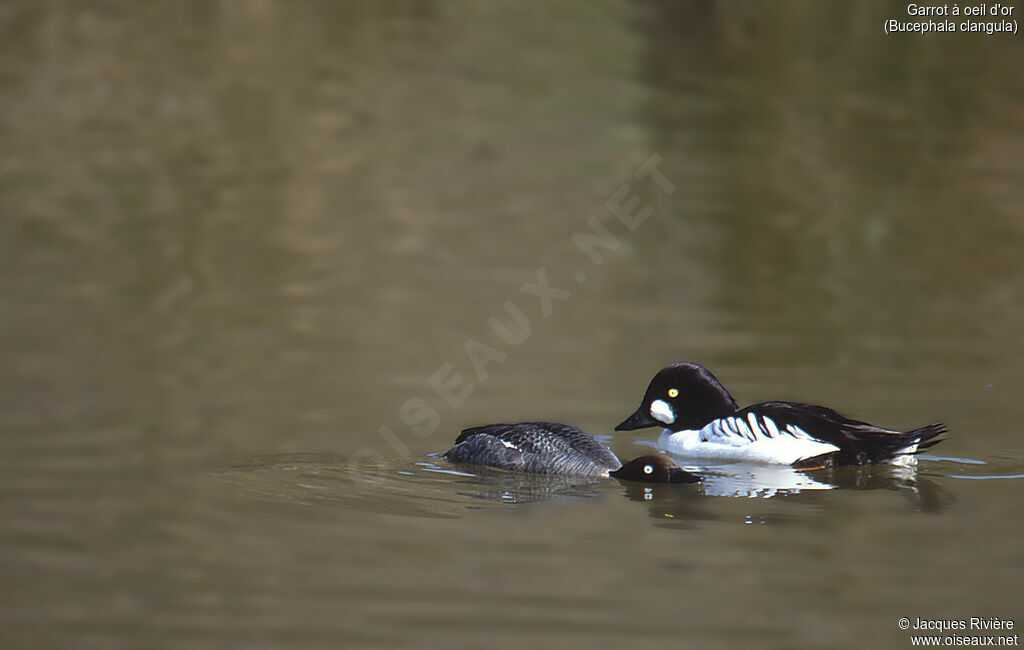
(648, 469)
(673, 392)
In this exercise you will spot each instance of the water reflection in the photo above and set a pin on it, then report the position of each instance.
(434, 488)
(755, 481)
(246, 229)
(407, 487)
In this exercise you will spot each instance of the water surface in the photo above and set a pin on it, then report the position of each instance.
(238, 239)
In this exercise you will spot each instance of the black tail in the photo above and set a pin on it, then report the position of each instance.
(878, 446)
(925, 437)
(882, 446)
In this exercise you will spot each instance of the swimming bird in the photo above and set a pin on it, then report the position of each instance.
(701, 420)
(553, 448)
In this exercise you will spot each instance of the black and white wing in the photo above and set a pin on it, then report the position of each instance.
(856, 441)
(750, 425)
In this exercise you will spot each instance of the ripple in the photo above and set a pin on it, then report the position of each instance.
(985, 477)
(402, 486)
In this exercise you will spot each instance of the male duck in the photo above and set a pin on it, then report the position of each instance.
(702, 420)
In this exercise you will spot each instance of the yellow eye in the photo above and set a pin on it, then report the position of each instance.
(673, 392)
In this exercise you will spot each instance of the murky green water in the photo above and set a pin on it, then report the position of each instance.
(238, 240)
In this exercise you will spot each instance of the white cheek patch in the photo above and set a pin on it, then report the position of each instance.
(662, 412)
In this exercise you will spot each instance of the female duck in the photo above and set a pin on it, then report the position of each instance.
(552, 448)
(701, 420)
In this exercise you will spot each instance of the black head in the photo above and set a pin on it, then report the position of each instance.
(654, 468)
(680, 397)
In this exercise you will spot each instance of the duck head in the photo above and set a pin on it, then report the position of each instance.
(653, 468)
(682, 396)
